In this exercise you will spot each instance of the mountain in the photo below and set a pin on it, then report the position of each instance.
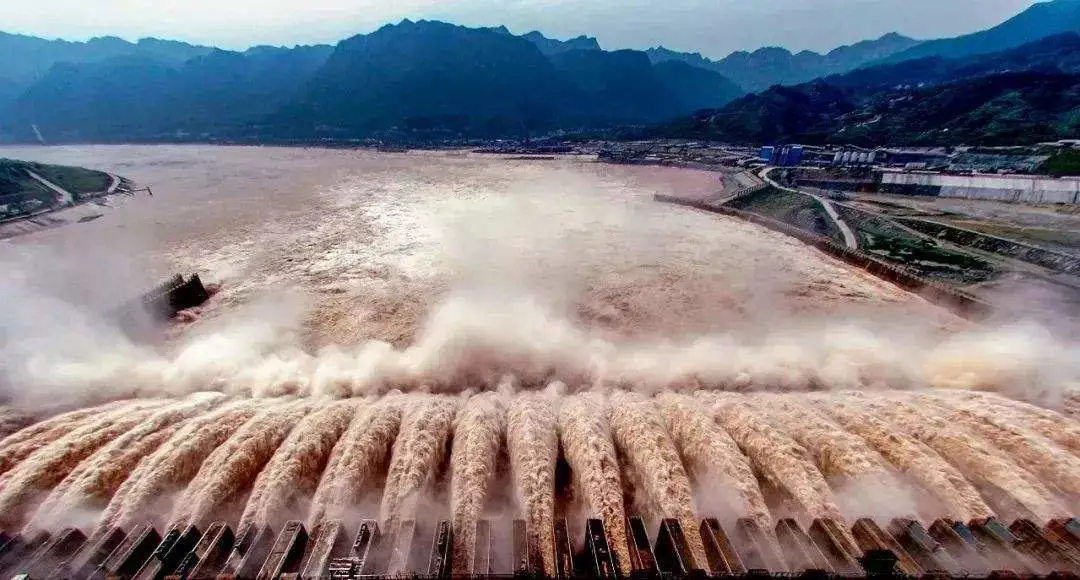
(765, 67)
(426, 75)
(691, 88)
(1039, 21)
(1024, 95)
(434, 78)
(999, 109)
(550, 46)
(139, 97)
(1059, 53)
(27, 58)
(623, 87)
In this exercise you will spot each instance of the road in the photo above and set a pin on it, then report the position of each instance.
(115, 183)
(849, 236)
(63, 196)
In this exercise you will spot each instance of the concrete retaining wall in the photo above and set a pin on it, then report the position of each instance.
(962, 303)
(1051, 260)
(1008, 188)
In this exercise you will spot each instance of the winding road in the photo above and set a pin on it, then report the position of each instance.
(63, 196)
(849, 236)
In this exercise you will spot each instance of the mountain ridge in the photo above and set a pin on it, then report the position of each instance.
(1038, 21)
(410, 78)
(772, 65)
(435, 80)
(1025, 95)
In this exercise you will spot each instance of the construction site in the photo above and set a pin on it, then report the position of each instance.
(494, 368)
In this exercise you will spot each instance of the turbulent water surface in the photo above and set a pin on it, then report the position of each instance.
(456, 336)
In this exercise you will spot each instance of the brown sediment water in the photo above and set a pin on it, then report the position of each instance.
(418, 452)
(151, 489)
(479, 434)
(17, 446)
(990, 469)
(713, 459)
(1035, 453)
(1056, 427)
(357, 464)
(590, 452)
(860, 478)
(89, 486)
(289, 479)
(230, 470)
(533, 445)
(924, 466)
(22, 488)
(788, 466)
(641, 436)
(436, 272)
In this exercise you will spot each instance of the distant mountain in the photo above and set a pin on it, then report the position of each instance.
(1058, 53)
(999, 109)
(428, 75)
(765, 67)
(550, 46)
(138, 97)
(1024, 95)
(441, 79)
(1039, 21)
(26, 58)
(691, 88)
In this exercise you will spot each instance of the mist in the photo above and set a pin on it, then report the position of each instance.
(524, 342)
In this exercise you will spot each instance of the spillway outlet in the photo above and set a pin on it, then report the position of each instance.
(829, 547)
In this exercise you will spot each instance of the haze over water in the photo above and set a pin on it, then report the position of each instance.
(430, 334)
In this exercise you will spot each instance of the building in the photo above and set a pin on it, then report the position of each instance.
(767, 154)
(782, 155)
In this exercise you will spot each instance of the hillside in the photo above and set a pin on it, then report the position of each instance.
(431, 80)
(416, 79)
(142, 98)
(1041, 20)
(1025, 95)
(765, 67)
(999, 109)
(1058, 53)
(427, 75)
(434, 79)
(27, 58)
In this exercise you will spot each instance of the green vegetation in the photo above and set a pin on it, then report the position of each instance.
(883, 238)
(77, 180)
(796, 209)
(414, 80)
(23, 194)
(1062, 163)
(18, 190)
(877, 236)
(1026, 95)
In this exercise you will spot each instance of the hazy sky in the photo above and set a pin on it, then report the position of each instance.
(712, 27)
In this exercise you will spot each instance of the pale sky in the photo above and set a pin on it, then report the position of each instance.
(712, 27)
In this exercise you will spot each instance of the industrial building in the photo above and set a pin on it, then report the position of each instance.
(782, 155)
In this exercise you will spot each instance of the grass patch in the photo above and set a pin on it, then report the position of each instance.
(886, 240)
(77, 180)
(801, 211)
(17, 186)
(1052, 238)
(1062, 163)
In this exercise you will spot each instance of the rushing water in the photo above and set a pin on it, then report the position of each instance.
(456, 336)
